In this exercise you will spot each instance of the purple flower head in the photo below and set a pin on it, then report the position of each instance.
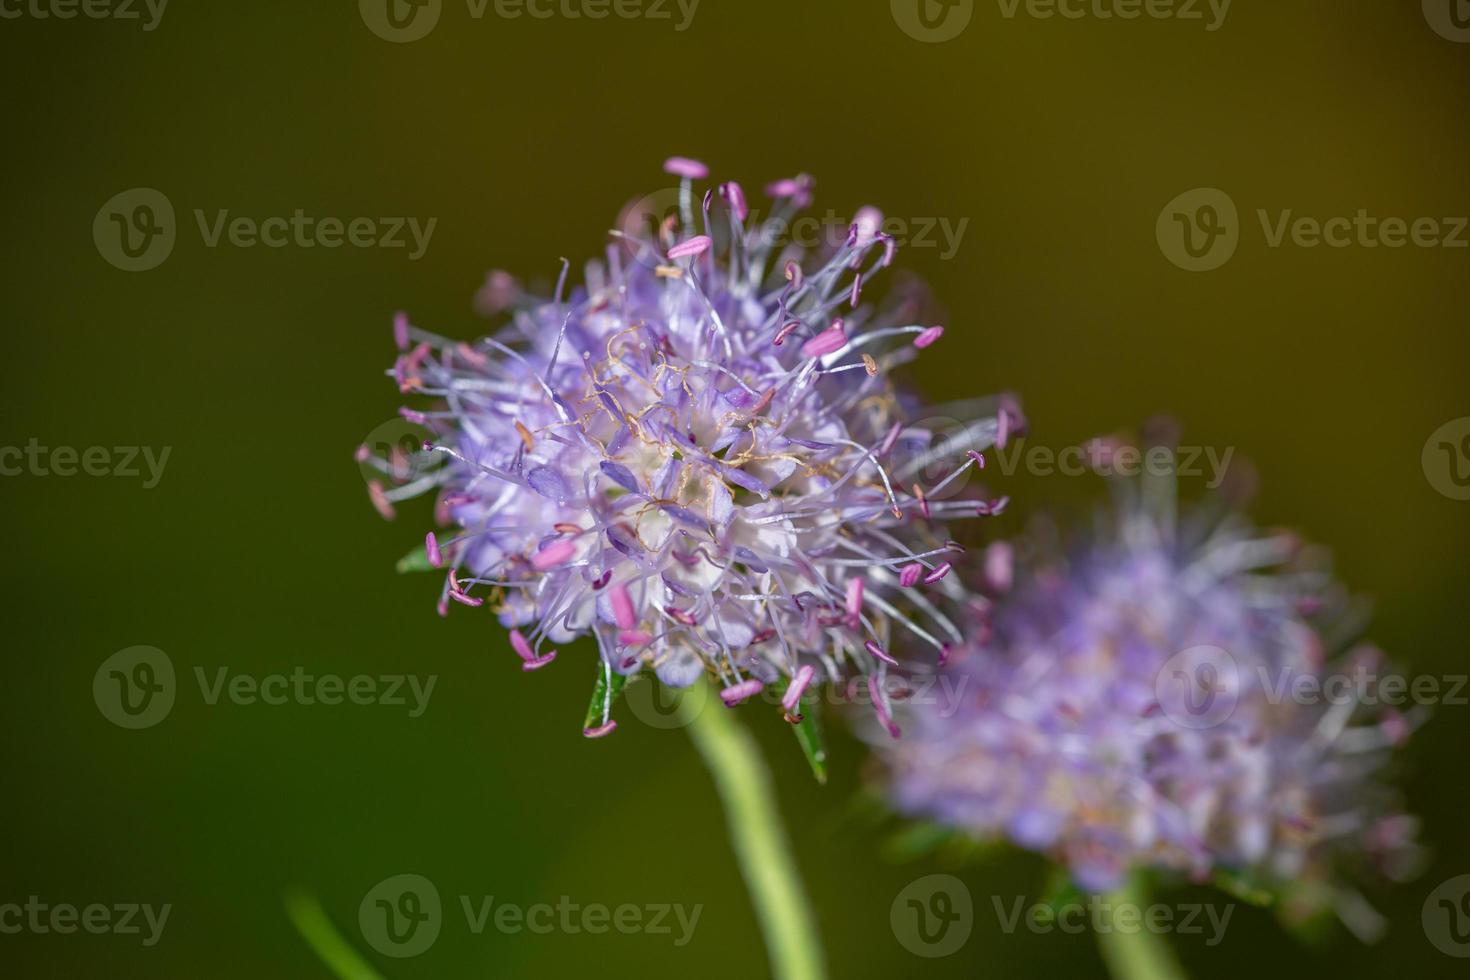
(1169, 694)
(697, 457)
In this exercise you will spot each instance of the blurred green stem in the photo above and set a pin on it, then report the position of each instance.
(759, 840)
(311, 921)
(1139, 955)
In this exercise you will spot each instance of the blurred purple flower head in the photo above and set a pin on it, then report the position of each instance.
(697, 457)
(1143, 699)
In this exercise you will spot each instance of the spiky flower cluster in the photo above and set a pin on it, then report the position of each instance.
(697, 458)
(1158, 697)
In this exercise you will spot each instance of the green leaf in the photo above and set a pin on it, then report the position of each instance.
(416, 560)
(609, 685)
(809, 737)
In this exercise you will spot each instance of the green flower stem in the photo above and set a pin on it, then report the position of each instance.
(759, 840)
(1140, 955)
(311, 921)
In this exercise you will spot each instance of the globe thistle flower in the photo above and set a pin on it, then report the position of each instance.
(697, 458)
(1127, 703)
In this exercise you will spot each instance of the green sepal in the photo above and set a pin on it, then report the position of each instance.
(809, 737)
(605, 693)
(416, 560)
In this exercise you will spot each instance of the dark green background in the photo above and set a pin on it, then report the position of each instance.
(1059, 140)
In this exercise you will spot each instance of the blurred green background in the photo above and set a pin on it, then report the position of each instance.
(1058, 140)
